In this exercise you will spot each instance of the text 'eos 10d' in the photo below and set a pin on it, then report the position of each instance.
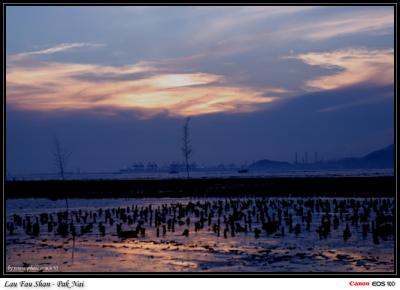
(70, 284)
(383, 283)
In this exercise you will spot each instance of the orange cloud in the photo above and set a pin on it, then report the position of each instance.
(50, 86)
(355, 65)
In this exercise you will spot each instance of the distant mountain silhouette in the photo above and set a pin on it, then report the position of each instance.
(269, 164)
(383, 158)
(386, 154)
(379, 159)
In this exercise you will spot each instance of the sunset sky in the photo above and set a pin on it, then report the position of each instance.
(115, 83)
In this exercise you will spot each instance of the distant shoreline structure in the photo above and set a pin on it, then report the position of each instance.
(379, 159)
(376, 163)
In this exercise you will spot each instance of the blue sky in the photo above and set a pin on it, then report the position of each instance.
(116, 83)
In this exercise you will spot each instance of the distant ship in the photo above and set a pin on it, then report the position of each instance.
(243, 170)
(173, 172)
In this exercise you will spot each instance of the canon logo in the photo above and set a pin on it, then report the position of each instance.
(354, 283)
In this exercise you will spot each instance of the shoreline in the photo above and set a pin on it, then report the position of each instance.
(378, 186)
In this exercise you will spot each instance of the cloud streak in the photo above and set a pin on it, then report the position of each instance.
(369, 23)
(356, 23)
(62, 47)
(230, 19)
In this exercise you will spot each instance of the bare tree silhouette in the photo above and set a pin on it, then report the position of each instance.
(186, 145)
(60, 160)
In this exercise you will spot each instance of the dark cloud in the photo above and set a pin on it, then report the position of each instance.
(97, 77)
(22, 89)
